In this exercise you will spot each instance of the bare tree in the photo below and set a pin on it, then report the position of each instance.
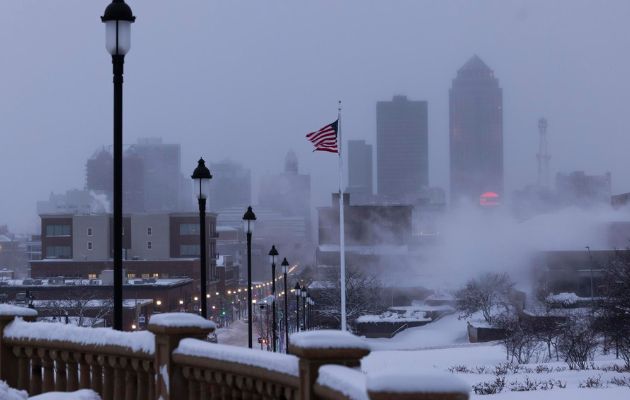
(613, 307)
(82, 305)
(489, 294)
(363, 296)
(577, 341)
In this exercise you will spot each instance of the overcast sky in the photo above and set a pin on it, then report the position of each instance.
(247, 80)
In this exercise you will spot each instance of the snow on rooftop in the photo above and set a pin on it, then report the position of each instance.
(277, 362)
(566, 299)
(350, 382)
(412, 381)
(381, 249)
(7, 309)
(327, 339)
(181, 320)
(388, 316)
(142, 341)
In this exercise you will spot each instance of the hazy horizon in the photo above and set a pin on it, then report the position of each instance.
(247, 81)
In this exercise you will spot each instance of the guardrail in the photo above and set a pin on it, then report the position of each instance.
(172, 361)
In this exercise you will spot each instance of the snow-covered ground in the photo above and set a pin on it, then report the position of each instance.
(442, 346)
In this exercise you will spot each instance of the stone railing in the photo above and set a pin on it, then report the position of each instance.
(173, 361)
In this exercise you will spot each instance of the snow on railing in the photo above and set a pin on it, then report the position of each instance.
(173, 361)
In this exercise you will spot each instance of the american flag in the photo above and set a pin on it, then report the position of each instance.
(325, 139)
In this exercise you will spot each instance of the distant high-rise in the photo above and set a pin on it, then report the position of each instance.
(402, 147)
(152, 178)
(231, 186)
(476, 132)
(359, 167)
(288, 193)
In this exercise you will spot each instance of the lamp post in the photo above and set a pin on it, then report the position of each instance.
(273, 253)
(201, 176)
(298, 294)
(285, 271)
(308, 311)
(118, 18)
(304, 294)
(248, 223)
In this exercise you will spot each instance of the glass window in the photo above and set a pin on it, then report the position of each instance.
(156, 275)
(58, 230)
(58, 252)
(189, 250)
(89, 231)
(145, 276)
(149, 231)
(89, 244)
(149, 245)
(189, 229)
(131, 275)
(91, 276)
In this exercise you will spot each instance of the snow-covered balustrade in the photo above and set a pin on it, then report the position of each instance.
(173, 360)
(41, 357)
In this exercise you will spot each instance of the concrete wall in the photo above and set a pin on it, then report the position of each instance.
(94, 229)
(158, 224)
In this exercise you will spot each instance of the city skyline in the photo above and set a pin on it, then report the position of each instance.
(176, 98)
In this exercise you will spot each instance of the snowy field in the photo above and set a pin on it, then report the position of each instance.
(443, 346)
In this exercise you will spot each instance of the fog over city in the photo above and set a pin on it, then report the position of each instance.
(247, 80)
(357, 199)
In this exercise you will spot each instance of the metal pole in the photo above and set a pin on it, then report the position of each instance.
(297, 310)
(274, 334)
(304, 313)
(286, 316)
(249, 288)
(118, 63)
(202, 252)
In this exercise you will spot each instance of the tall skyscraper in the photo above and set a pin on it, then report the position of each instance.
(402, 147)
(476, 132)
(359, 167)
(231, 186)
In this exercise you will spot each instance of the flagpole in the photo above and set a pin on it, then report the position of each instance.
(342, 238)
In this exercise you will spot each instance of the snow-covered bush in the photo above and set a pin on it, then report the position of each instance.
(491, 387)
(490, 295)
(592, 382)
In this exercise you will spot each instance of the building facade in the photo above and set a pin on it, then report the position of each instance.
(476, 132)
(402, 140)
(360, 168)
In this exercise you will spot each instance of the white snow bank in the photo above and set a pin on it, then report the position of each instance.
(569, 393)
(8, 309)
(445, 331)
(84, 394)
(327, 339)
(181, 320)
(136, 341)
(416, 382)
(278, 362)
(350, 382)
(8, 393)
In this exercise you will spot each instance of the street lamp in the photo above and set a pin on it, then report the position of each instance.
(201, 176)
(304, 293)
(118, 18)
(298, 294)
(273, 253)
(248, 224)
(285, 271)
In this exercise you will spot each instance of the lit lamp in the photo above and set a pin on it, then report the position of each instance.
(118, 18)
(248, 226)
(201, 176)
